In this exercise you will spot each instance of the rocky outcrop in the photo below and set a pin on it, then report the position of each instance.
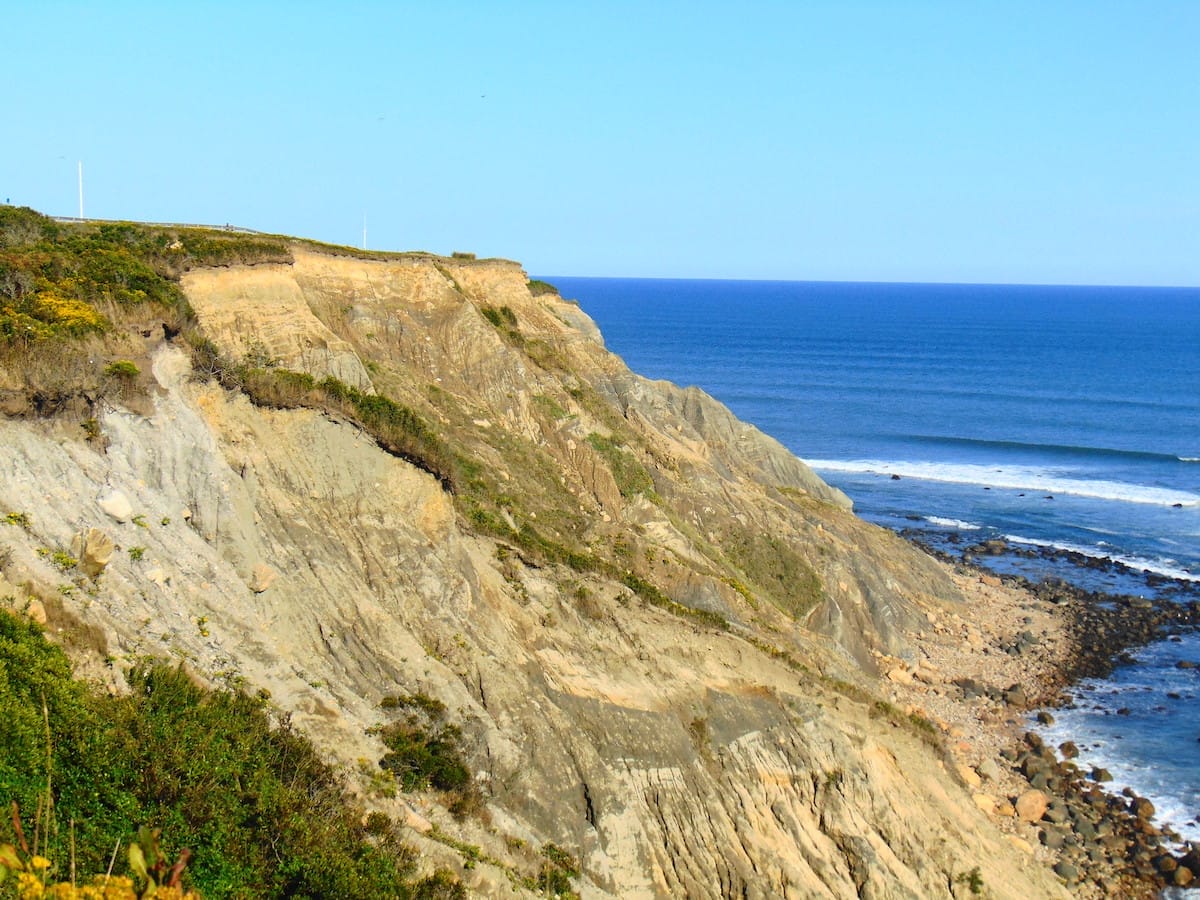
(284, 550)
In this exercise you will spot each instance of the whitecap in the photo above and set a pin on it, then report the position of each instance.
(1165, 567)
(1019, 478)
(952, 523)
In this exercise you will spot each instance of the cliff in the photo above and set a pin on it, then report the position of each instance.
(655, 627)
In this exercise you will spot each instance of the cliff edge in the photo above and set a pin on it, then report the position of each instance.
(656, 629)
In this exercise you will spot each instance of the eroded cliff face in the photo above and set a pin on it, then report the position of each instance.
(283, 549)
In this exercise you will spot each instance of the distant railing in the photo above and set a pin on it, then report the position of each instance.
(234, 228)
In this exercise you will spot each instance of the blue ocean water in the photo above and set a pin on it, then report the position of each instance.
(1053, 417)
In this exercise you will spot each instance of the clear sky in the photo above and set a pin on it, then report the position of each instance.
(910, 141)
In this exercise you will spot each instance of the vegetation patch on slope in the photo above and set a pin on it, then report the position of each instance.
(261, 813)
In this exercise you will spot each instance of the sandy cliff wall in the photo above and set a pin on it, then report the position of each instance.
(283, 549)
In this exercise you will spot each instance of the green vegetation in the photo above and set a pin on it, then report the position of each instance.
(261, 813)
(631, 477)
(67, 281)
(777, 569)
(538, 287)
(500, 316)
(557, 871)
(20, 519)
(396, 428)
(73, 296)
(973, 880)
(425, 751)
(122, 368)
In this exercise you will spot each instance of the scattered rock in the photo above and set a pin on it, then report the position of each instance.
(991, 580)
(1044, 718)
(116, 505)
(988, 770)
(969, 776)
(985, 802)
(1066, 871)
(262, 578)
(1032, 805)
(93, 548)
(1182, 876)
(35, 611)
(900, 675)
(1015, 696)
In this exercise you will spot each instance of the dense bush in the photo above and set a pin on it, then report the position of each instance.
(263, 815)
(64, 280)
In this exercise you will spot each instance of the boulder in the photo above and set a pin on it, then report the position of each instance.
(1182, 876)
(1142, 808)
(35, 611)
(93, 548)
(1032, 805)
(262, 578)
(969, 776)
(988, 770)
(116, 505)
(1066, 871)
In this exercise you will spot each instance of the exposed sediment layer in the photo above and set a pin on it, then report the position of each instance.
(685, 696)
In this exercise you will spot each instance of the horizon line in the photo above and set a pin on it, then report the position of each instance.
(1054, 284)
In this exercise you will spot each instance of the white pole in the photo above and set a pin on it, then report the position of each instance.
(81, 189)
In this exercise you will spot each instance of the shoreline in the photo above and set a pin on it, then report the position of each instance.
(978, 672)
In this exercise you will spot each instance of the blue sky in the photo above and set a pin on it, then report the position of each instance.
(889, 141)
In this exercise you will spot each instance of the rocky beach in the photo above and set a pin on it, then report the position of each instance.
(988, 677)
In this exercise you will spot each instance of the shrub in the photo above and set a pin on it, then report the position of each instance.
(500, 316)
(263, 815)
(122, 368)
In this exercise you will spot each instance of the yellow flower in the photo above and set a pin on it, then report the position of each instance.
(39, 862)
(29, 886)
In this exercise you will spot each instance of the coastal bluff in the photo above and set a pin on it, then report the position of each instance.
(658, 631)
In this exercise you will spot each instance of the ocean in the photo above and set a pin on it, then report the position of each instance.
(1064, 421)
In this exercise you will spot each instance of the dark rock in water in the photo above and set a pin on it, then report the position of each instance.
(1142, 808)
(1033, 739)
(1124, 711)
(1176, 506)
(895, 478)
(1048, 497)
(1185, 664)
(1044, 718)
(1101, 775)
(1183, 876)
(1166, 864)
(1068, 750)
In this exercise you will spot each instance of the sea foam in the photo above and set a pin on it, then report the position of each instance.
(1045, 480)
(1163, 567)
